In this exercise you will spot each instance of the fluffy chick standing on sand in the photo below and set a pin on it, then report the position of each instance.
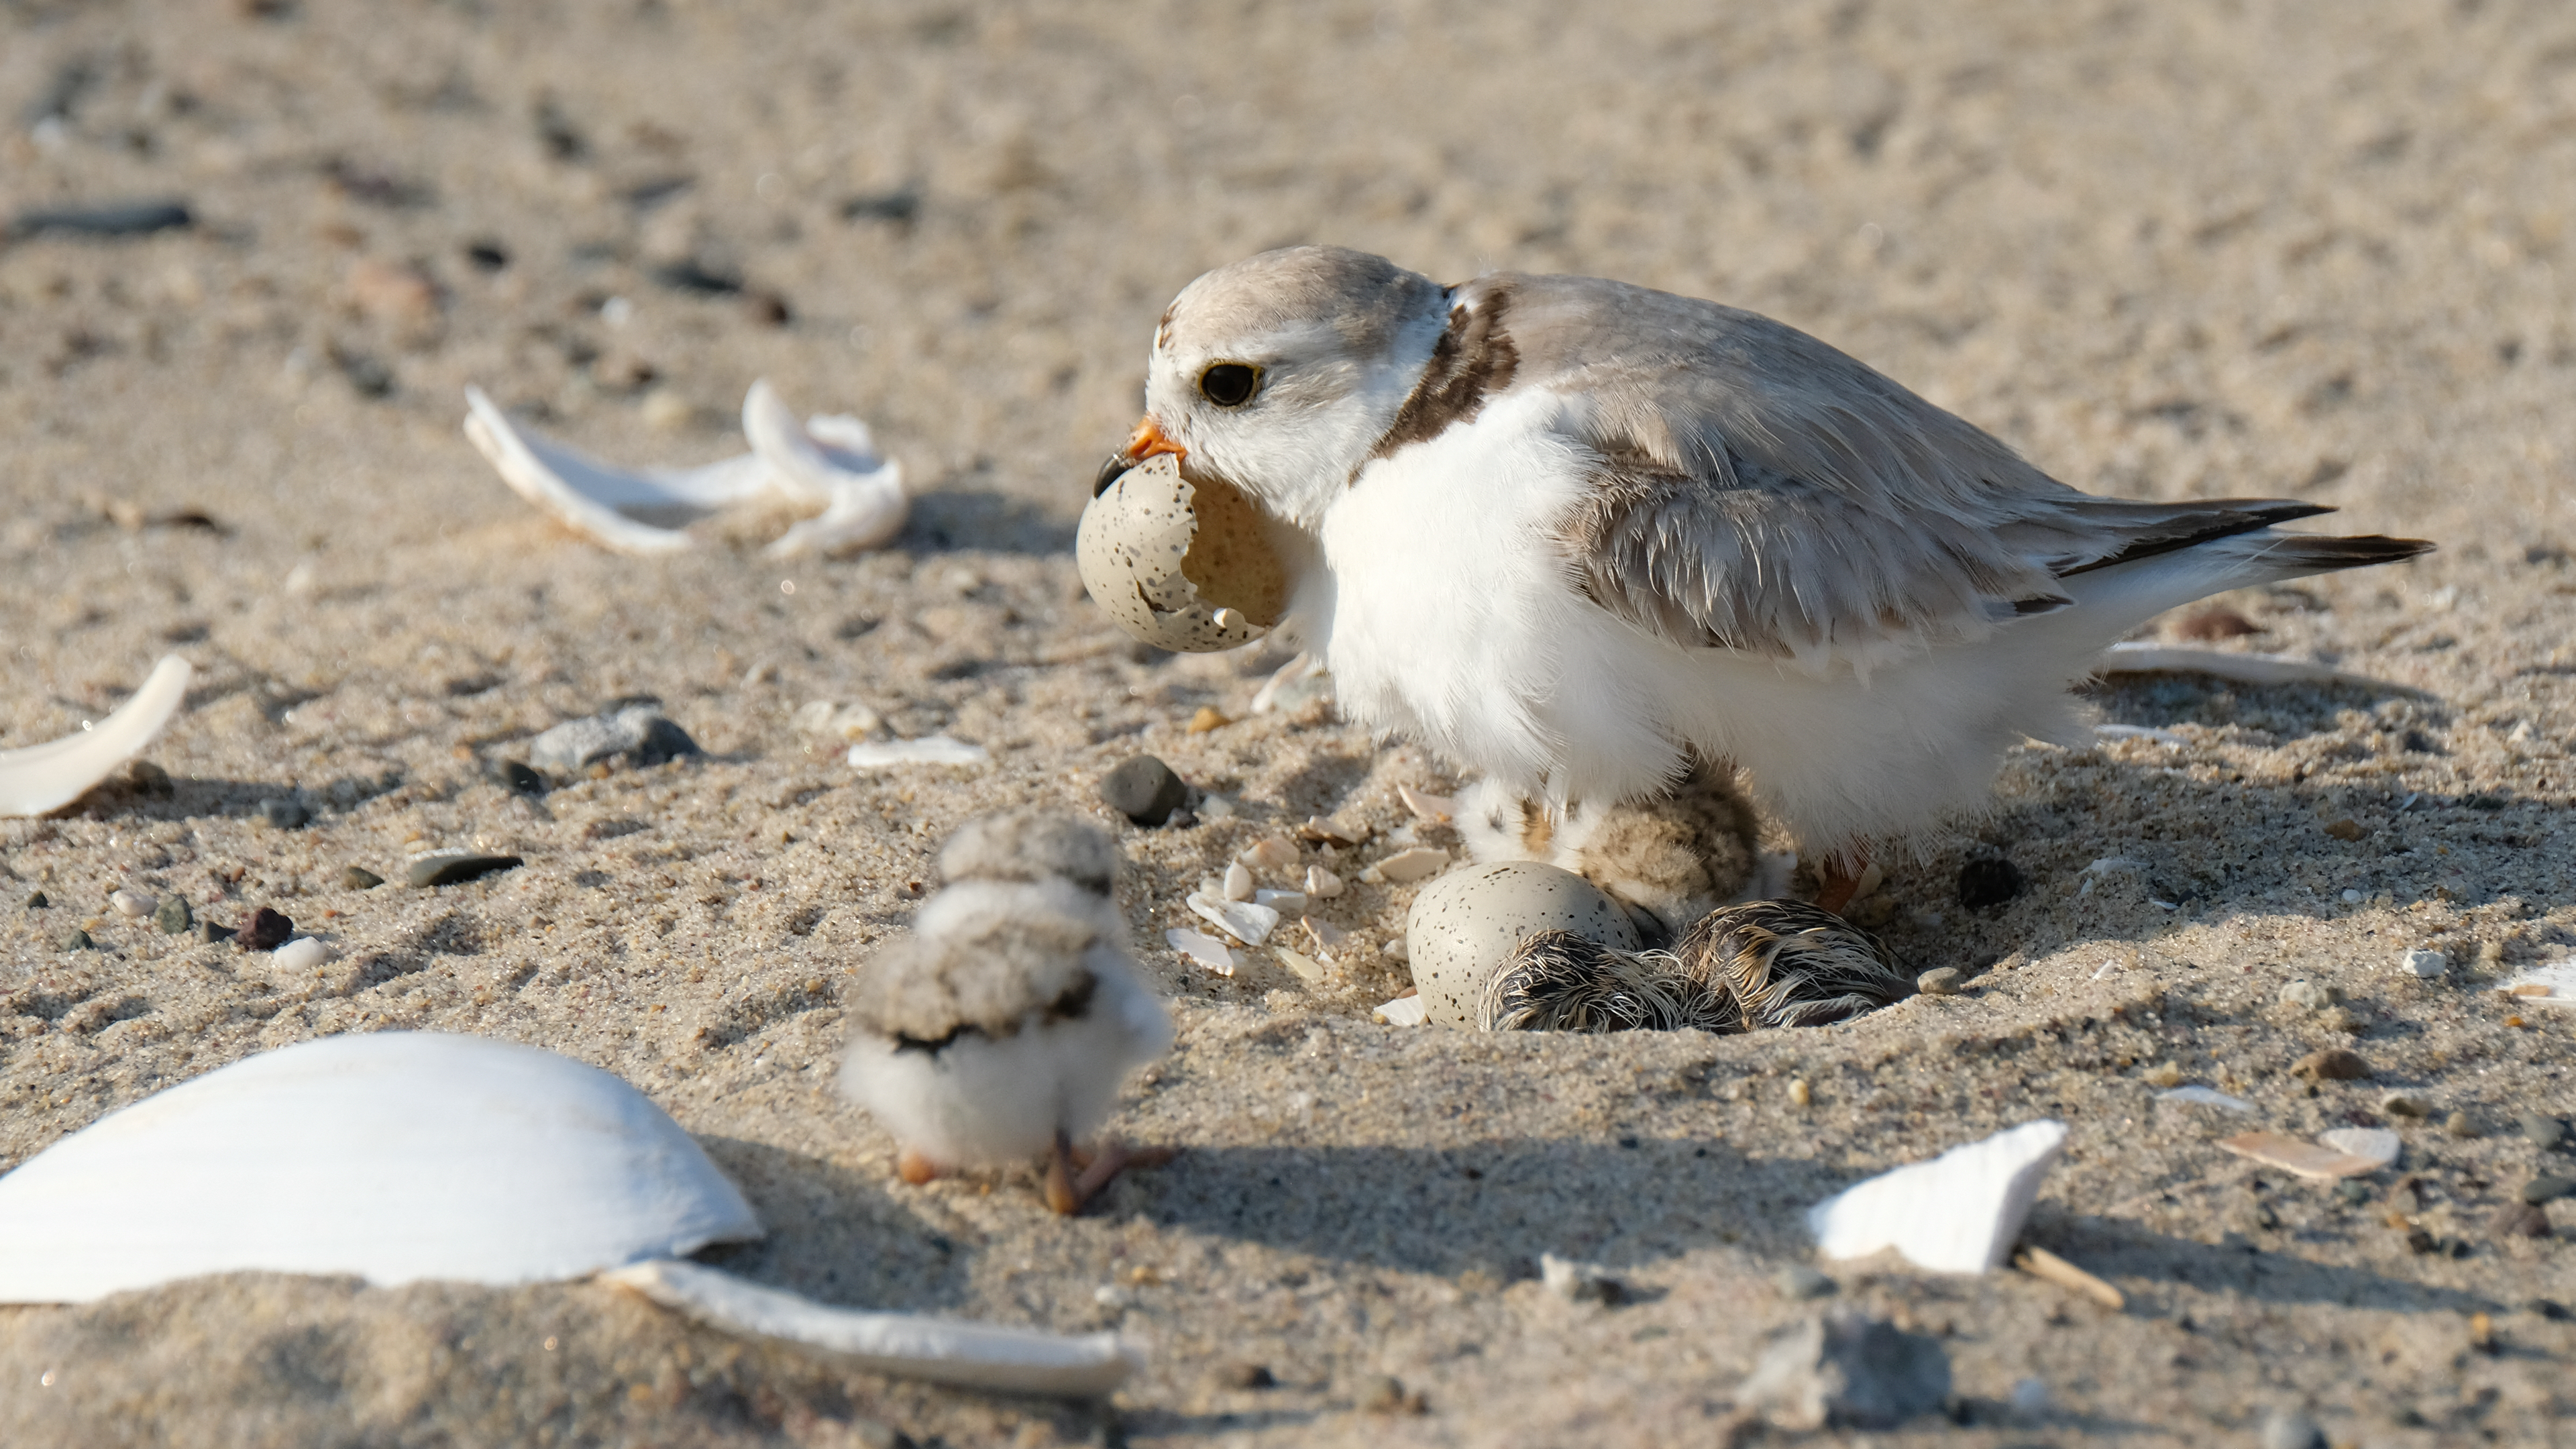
(1001, 1029)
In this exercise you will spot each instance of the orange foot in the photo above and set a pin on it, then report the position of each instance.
(915, 1168)
(1841, 882)
(1066, 1192)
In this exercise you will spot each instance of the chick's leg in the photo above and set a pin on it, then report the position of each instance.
(915, 1168)
(1842, 878)
(1067, 1192)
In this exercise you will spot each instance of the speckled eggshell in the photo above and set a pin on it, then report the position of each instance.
(1467, 921)
(1162, 555)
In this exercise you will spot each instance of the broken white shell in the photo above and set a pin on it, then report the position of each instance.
(2550, 984)
(2308, 1159)
(1183, 566)
(1958, 1213)
(1464, 924)
(928, 750)
(1207, 950)
(52, 775)
(827, 460)
(395, 1156)
(1016, 1360)
(1244, 921)
(1403, 1011)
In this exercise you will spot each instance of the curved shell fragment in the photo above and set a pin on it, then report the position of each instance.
(830, 461)
(395, 1156)
(942, 1350)
(1180, 564)
(1958, 1213)
(52, 775)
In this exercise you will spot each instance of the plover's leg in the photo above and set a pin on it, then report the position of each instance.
(915, 1168)
(1842, 877)
(1067, 1192)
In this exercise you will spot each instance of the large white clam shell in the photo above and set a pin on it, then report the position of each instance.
(394, 1156)
(1961, 1212)
(52, 775)
(1181, 565)
(829, 460)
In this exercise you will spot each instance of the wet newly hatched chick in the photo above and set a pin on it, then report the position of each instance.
(1740, 968)
(1786, 963)
(1001, 1029)
(1667, 859)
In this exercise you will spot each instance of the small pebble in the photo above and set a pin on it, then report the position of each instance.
(1322, 884)
(1941, 981)
(1208, 718)
(2166, 1075)
(1579, 1282)
(2355, 1193)
(1238, 882)
(2306, 995)
(126, 218)
(633, 728)
(1407, 866)
(282, 813)
(2548, 1188)
(2347, 830)
(2353, 897)
(2332, 1065)
(453, 867)
(1393, 946)
(37, 902)
(2286, 1430)
(1143, 789)
(359, 878)
(78, 940)
(514, 775)
(302, 954)
(1800, 1094)
(2459, 1125)
(1385, 1394)
(266, 930)
(2423, 963)
(2522, 1220)
(2398, 1104)
(2544, 1132)
(1798, 1283)
(173, 915)
(133, 905)
(1246, 1376)
(1984, 884)
(1269, 853)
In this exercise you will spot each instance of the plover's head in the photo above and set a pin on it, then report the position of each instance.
(1031, 846)
(1279, 373)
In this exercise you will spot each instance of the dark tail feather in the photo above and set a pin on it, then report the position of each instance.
(2303, 553)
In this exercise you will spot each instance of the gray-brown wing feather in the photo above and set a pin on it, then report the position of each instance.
(1757, 490)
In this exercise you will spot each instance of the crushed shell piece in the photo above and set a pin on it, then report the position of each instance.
(1286, 903)
(46, 777)
(2205, 1097)
(1269, 853)
(1238, 882)
(928, 750)
(304, 953)
(1324, 933)
(2423, 963)
(1428, 808)
(1407, 866)
(1958, 1213)
(1244, 921)
(1402, 1011)
(942, 1350)
(134, 905)
(1205, 949)
(2307, 1159)
(2551, 985)
(1332, 832)
(1322, 884)
(1300, 965)
(2376, 1143)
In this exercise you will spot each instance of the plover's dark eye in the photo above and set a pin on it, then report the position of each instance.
(1229, 384)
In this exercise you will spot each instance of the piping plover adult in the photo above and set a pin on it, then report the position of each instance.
(1001, 1028)
(1570, 532)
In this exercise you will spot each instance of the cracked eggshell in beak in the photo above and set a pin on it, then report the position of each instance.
(1181, 565)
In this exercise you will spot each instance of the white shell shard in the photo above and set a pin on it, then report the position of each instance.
(52, 775)
(928, 750)
(1167, 558)
(2139, 658)
(134, 905)
(942, 1350)
(1322, 884)
(1244, 921)
(831, 461)
(2307, 1159)
(1238, 882)
(1428, 808)
(395, 1156)
(2423, 963)
(1203, 948)
(2553, 984)
(2375, 1144)
(2205, 1097)
(1958, 1213)
(1407, 866)
(1300, 965)
(1286, 903)
(1403, 1011)
(301, 954)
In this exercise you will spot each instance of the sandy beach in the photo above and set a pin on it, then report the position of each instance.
(2198, 249)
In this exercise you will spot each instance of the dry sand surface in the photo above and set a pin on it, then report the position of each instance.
(2167, 250)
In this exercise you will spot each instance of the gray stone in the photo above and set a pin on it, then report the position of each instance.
(2548, 1188)
(2545, 1132)
(283, 813)
(36, 901)
(359, 878)
(1144, 789)
(1941, 981)
(453, 867)
(173, 915)
(2283, 1429)
(78, 940)
(1798, 1283)
(635, 729)
(1845, 1370)
(1579, 1282)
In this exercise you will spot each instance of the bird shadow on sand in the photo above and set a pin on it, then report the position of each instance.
(836, 1235)
(2127, 1251)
